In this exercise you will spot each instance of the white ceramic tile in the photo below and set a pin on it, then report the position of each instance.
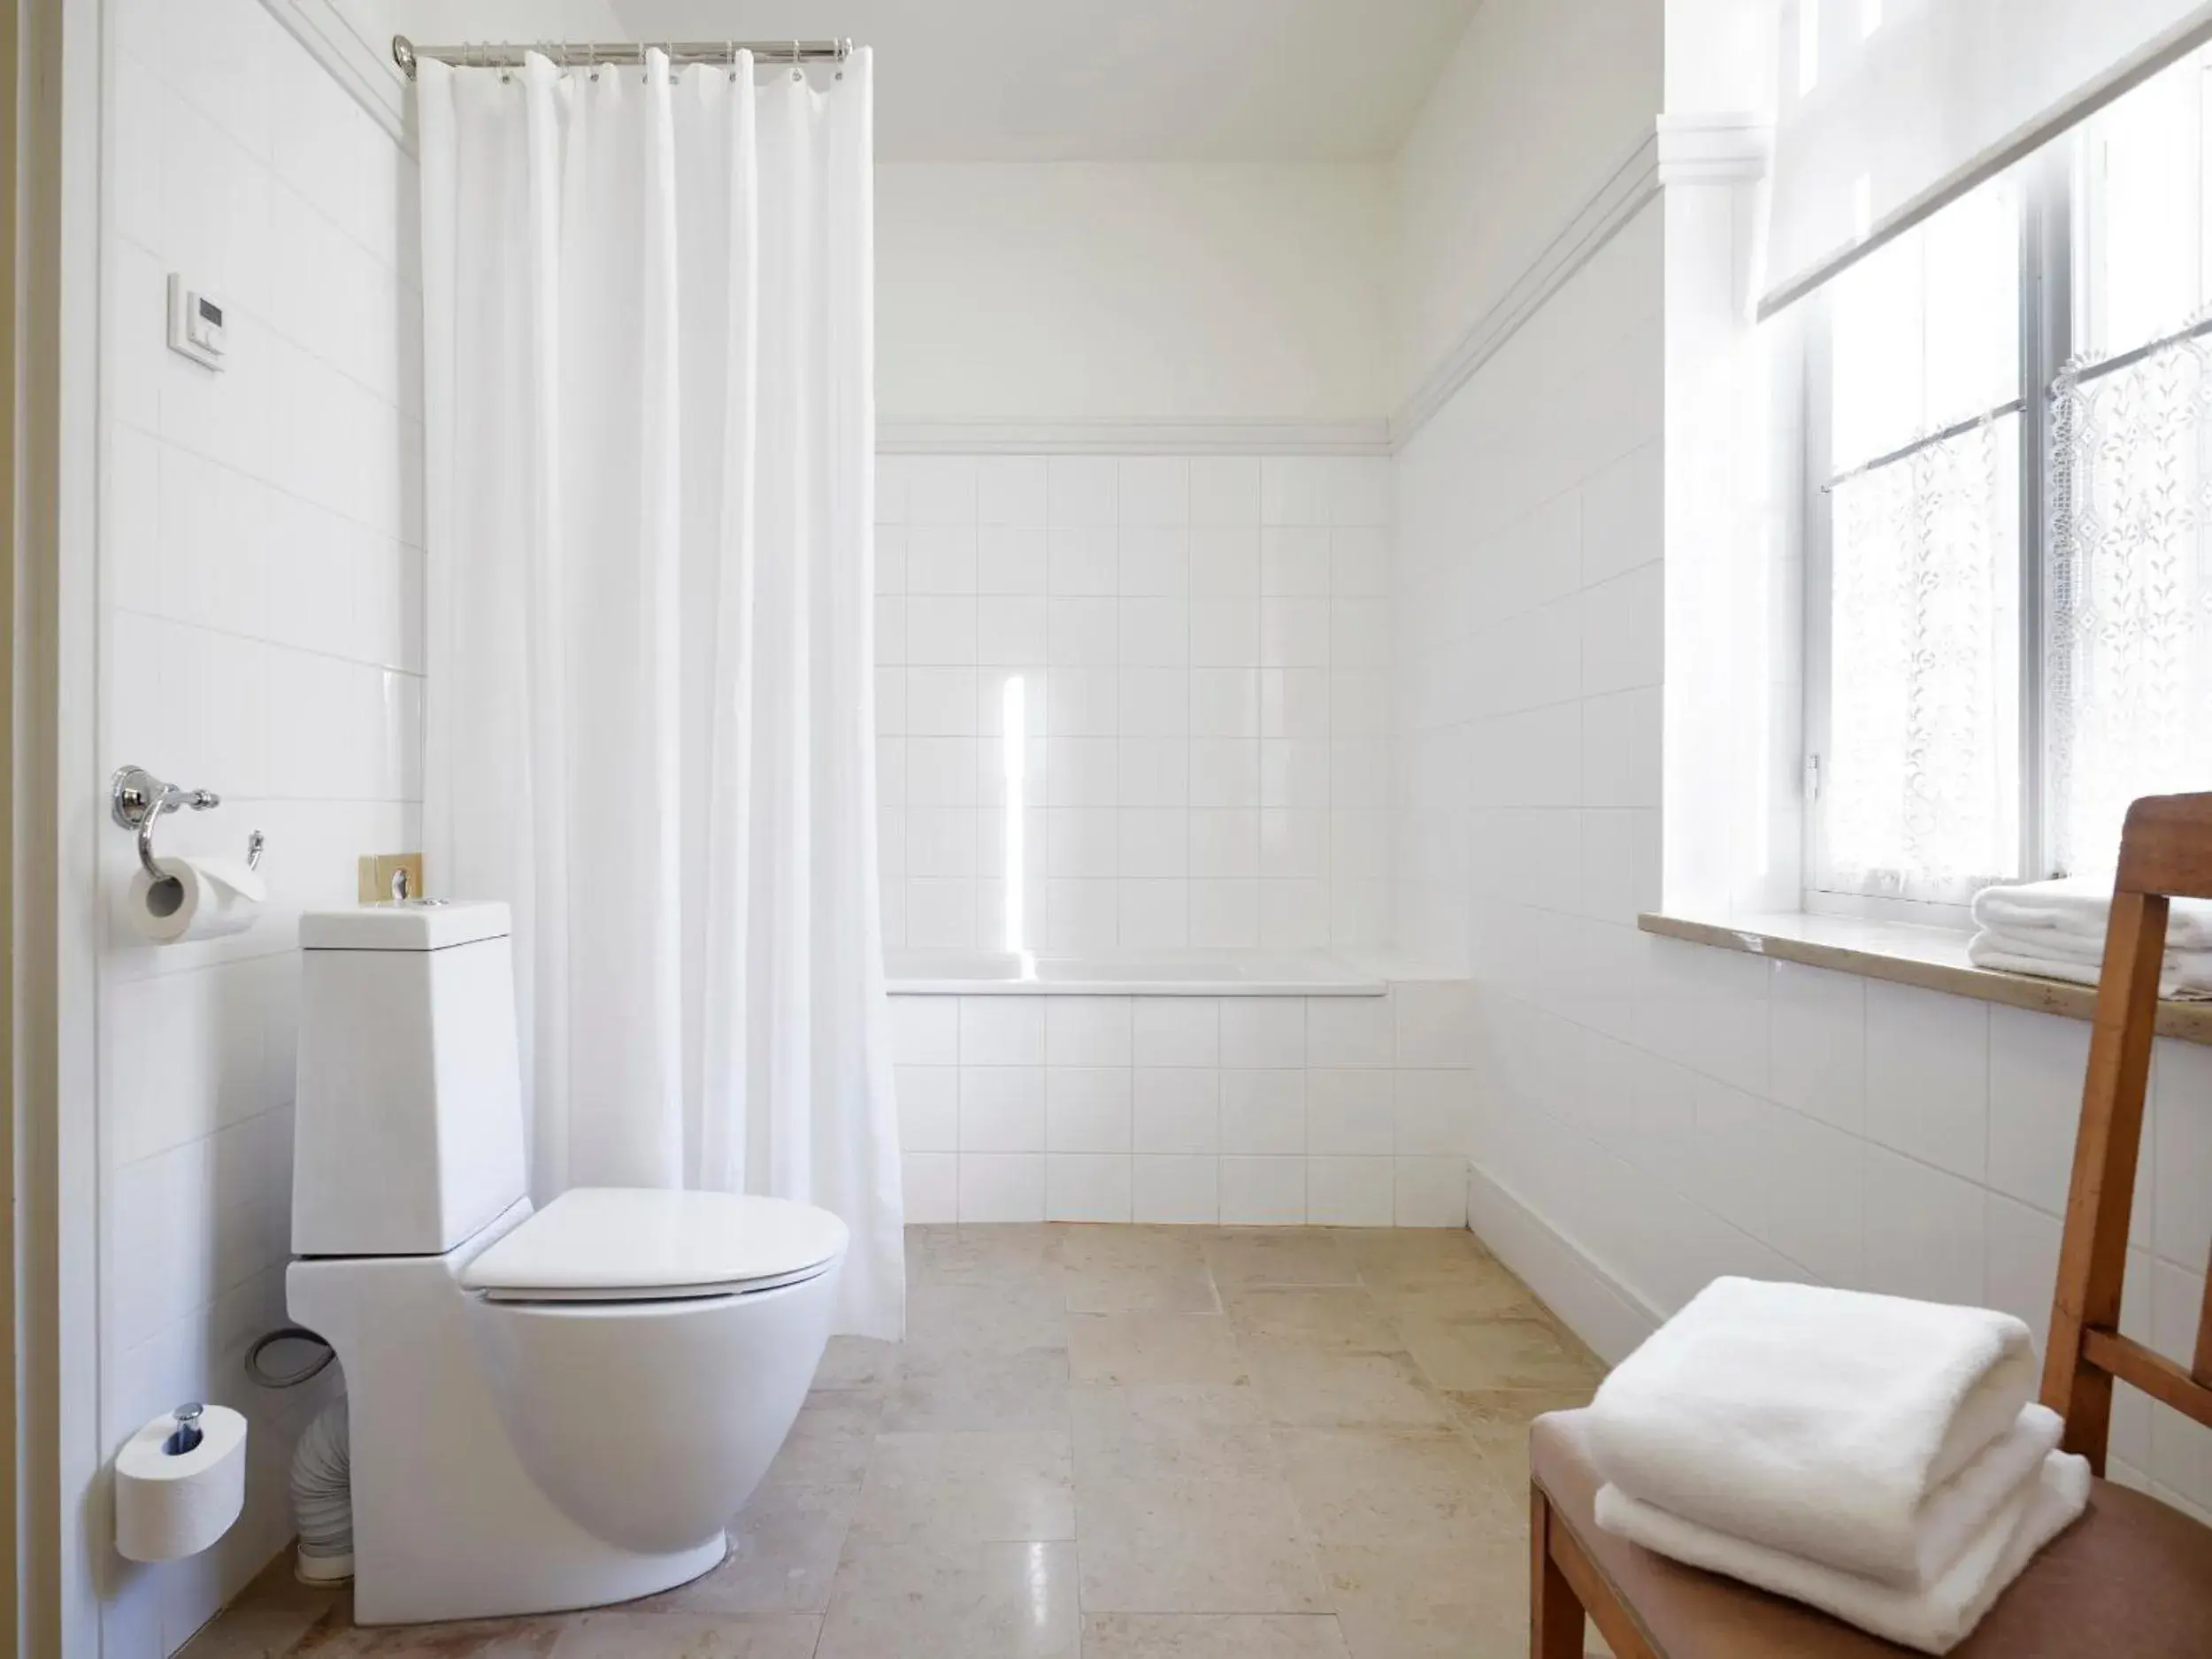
(1011, 559)
(1078, 633)
(1088, 1030)
(1359, 633)
(1350, 1031)
(1176, 1191)
(1225, 632)
(1431, 1192)
(1081, 490)
(931, 1191)
(1435, 1022)
(1010, 632)
(1083, 842)
(1224, 490)
(1002, 1030)
(2023, 1263)
(1154, 560)
(1082, 915)
(1224, 915)
(1224, 842)
(2181, 1190)
(1294, 490)
(1154, 632)
(1001, 1109)
(1924, 1234)
(1154, 771)
(1087, 1108)
(1224, 773)
(1624, 631)
(1083, 561)
(1177, 1109)
(1084, 702)
(1155, 914)
(1349, 1111)
(941, 560)
(2037, 1062)
(1351, 1191)
(1294, 563)
(1359, 563)
(941, 489)
(1816, 1216)
(1154, 490)
(1927, 1076)
(1620, 749)
(1154, 702)
(1154, 841)
(1001, 1186)
(1264, 1112)
(940, 701)
(1263, 1032)
(940, 630)
(1224, 562)
(929, 1108)
(1294, 633)
(1011, 490)
(1083, 771)
(1817, 1044)
(940, 913)
(1176, 1031)
(926, 1030)
(1224, 703)
(1295, 704)
(1084, 1188)
(1432, 1112)
(1263, 1192)
(1294, 915)
(1294, 774)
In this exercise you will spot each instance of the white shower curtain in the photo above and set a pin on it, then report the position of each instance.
(649, 496)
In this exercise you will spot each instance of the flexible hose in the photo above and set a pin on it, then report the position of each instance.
(322, 1497)
(292, 1379)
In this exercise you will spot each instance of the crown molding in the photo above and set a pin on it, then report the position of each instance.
(362, 66)
(1133, 436)
(1734, 148)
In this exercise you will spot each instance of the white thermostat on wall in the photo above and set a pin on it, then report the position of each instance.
(195, 323)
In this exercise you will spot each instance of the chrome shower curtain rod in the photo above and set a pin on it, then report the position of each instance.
(406, 54)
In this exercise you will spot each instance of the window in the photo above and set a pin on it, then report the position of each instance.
(2010, 442)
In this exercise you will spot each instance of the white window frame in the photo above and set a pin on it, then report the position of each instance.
(2046, 330)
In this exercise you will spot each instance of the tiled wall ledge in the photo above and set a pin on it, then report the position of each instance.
(1932, 959)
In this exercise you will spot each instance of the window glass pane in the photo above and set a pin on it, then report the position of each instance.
(1921, 798)
(2139, 218)
(2130, 624)
(1925, 332)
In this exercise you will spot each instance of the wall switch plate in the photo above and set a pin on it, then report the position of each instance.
(377, 870)
(196, 324)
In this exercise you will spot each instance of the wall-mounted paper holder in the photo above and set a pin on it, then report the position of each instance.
(137, 799)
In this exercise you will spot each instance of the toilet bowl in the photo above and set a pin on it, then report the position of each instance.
(549, 1409)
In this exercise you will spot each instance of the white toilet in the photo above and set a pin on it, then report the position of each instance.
(549, 1410)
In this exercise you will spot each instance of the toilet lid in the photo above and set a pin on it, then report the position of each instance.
(622, 1243)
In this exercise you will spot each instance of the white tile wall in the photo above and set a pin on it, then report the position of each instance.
(1672, 1110)
(1198, 655)
(1338, 1110)
(261, 583)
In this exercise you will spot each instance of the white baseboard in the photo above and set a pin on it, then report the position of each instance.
(1596, 1307)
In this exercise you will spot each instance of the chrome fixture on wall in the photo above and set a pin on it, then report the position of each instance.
(136, 800)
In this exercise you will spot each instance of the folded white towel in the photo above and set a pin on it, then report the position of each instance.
(1934, 1618)
(1819, 1422)
(2082, 906)
(2184, 975)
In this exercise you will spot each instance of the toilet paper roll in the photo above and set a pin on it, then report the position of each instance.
(169, 1504)
(197, 898)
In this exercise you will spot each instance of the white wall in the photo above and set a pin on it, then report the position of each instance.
(1198, 651)
(1542, 99)
(1646, 1113)
(1086, 292)
(260, 597)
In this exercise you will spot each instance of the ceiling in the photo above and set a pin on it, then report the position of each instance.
(1301, 81)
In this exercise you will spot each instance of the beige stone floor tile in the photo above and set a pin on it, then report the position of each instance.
(1450, 1289)
(1323, 1318)
(1309, 1387)
(337, 1637)
(967, 1488)
(955, 1390)
(829, 1442)
(1087, 1250)
(784, 1548)
(1009, 1254)
(1188, 1289)
(1196, 1547)
(1172, 1432)
(1430, 1601)
(1371, 1246)
(270, 1616)
(1508, 1412)
(855, 1364)
(1151, 1347)
(937, 1601)
(1401, 1487)
(1277, 1255)
(985, 1318)
(1489, 1354)
(630, 1635)
(1212, 1636)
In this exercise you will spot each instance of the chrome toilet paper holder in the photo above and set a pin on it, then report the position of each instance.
(136, 800)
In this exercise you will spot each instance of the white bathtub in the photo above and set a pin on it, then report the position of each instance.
(1112, 973)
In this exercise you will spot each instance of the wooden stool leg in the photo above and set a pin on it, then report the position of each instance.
(1554, 1615)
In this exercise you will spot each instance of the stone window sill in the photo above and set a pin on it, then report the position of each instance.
(1932, 959)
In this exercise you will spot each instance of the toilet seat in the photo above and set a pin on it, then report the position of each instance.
(608, 1244)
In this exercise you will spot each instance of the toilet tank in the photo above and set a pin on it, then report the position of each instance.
(408, 1135)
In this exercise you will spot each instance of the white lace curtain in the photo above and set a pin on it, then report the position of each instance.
(2130, 601)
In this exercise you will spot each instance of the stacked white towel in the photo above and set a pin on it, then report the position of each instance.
(2056, 929)
(1874, 1457)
